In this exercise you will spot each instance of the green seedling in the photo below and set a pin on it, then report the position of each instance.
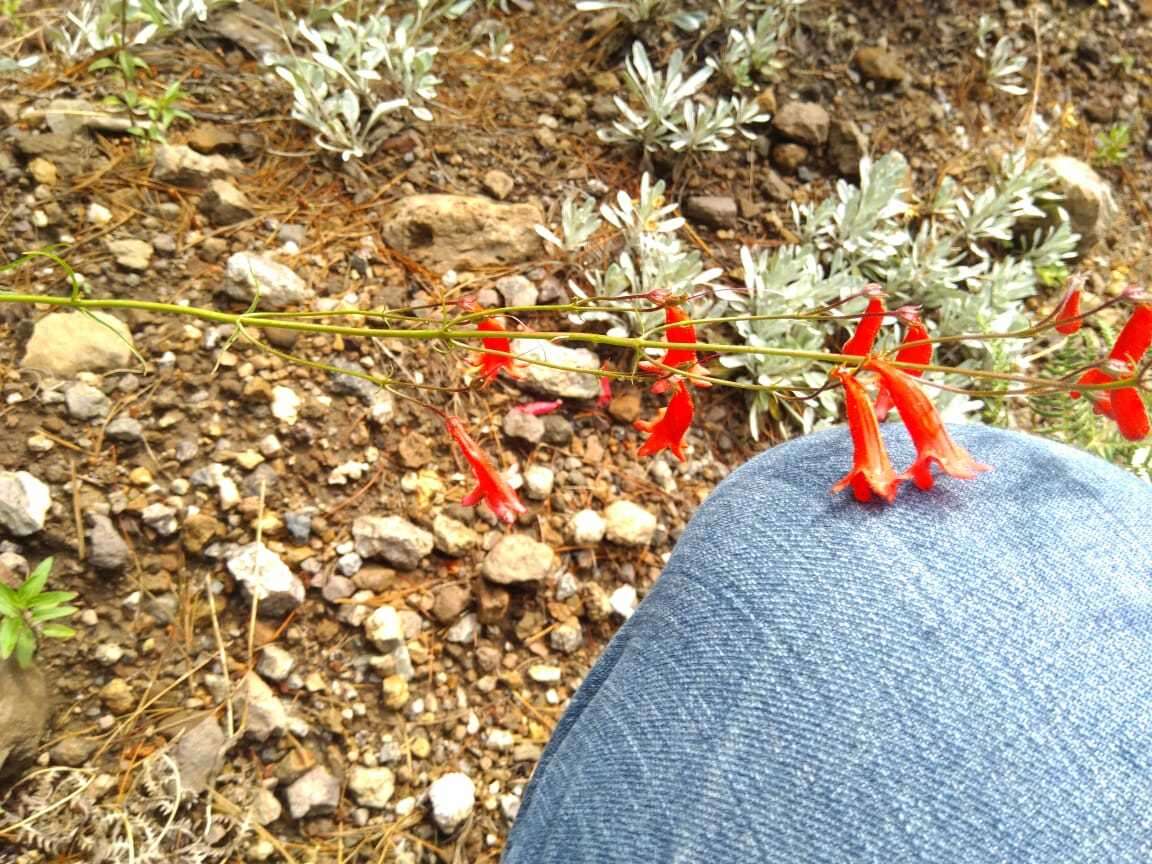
(29, 613)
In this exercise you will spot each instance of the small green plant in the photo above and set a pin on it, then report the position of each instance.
(123, 61)
(30, 613)
(1112, 146)
(154, 115)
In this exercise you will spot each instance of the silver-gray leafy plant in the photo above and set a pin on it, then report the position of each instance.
(95, 25)
(669, 117)
(357, 74)
(962, 259)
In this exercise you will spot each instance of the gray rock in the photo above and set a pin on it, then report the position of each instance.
(180, 165)
(717, 211)
(250, 273)
(522, 425)
(371, 787)
(462, 232)
(847, 145)
(24, 711)
(804, 122)
(86, 402)
(107, 549)
(564, 383)
(198, 754)
(384, 630)
(453, 537)
(315, 793)
(124, 429)
(24, 502)
(131, 254)
(567, 637)
(392, 538)
(263, 576)
(66, 343)
(224, 204)
(517, 558)
(1085, 196)
(275, 663)
(73, 751)
(299, 526)
(161, 518)
(260, 710)
(538, 482)
(464, 631)
(69, 116)
(629, 524)
(518, 291)
(452, 797)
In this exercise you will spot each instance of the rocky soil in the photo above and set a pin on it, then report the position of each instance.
(295, 643)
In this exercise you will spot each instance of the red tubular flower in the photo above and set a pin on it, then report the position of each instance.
(680, 330)
(1131, 345)
(670, 426)
(872, 471)
(1136, 337)
(491, 364)
(605, 397)
(917, 332)
(1127, 409)
(867, 330)
(933, 443)
(490, 485)
(1068, 319)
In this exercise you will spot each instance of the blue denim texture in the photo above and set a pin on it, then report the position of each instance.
(964, 677)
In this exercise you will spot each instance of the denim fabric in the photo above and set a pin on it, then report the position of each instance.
(964, 677)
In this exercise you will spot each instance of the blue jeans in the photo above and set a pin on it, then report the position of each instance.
(964, 677)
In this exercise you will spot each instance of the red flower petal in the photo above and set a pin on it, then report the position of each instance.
(1068, 319)
(868, 328)
(490, 485)
(917, 332)
(680, 330)
(1136, 337)
(491, 364)
(1130, 414)
(933, 443)
(670, 426)
(872, 471)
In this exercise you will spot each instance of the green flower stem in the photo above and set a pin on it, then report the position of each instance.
(451, 334)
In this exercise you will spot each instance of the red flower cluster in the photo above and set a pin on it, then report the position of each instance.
(671, 424)
(1124, 405)
(872, 471)
(490, 485)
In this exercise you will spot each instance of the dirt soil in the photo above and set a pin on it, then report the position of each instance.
(167, 636)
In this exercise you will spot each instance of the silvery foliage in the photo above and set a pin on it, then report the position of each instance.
(652, 258)
(94, 27)
(637, 12)
(752, 46)
(669, 118)
(970, 259)
(1003, 63)
(358, 73)
(95, 24)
